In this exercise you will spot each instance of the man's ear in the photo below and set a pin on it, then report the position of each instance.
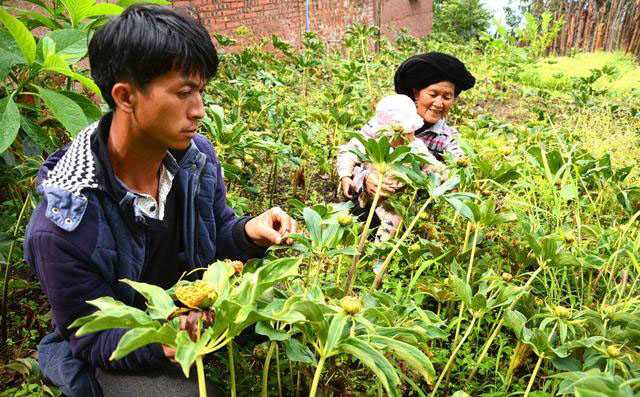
(125, 96)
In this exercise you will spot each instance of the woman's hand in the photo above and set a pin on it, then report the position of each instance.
(347, 186)
(389, 184)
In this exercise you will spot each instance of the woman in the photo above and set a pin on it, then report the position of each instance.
(434, 80)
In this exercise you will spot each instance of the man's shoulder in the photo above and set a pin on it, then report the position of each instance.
(83, 238)
(205, 146)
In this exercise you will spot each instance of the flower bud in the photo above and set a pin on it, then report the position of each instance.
(345, 219)
(613, 351)
(351, 305)
(562, 312)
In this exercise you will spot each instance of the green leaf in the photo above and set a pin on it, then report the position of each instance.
(159, 302)
(21, 34)
(9, 122)
(126, 318)
(127, 3)
(138, 337)
(217, 275)
(264, 328)
(298, 352)
(569, 192)
(38, 135)
(313, 221)
(10, 54)
(478, 303)
(91, 111)
(71, 44)
(375, 361)
(186, 352)
(68, 112)
(461, 289)
(277, 270)
(103, 9)
(55, 63)
(334, 334)
(413, 356)
(515, 320)
(48, 47)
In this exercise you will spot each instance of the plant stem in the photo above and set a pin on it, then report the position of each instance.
(202, 386)
(316, 377)
(533, 375)
(378, 280)
(498, 327)
(453, 356)
(232, 369)
(5, 282)
(278, 371)
(265, 370)
(469, 271)
(363, 238)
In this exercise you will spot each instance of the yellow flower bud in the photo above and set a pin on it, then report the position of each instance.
(345, 219)
(613, 351)
(507, 276)
(562, 312)
(351, 305)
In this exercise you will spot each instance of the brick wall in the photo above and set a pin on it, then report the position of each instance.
(288, 18)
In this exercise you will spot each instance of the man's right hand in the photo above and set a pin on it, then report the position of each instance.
(189, 323)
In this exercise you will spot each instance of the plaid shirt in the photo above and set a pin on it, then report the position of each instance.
(441, 139)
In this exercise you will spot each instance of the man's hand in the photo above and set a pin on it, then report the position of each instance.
(271, 227)
(189, 323)
(347, 186)
(389, 184)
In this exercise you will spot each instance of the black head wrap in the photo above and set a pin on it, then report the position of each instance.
(422, 70)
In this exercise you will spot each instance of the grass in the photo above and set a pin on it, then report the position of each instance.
(556, 72)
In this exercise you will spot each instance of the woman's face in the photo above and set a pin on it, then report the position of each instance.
(433, 102)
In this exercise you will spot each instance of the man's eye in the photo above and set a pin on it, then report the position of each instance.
(184, 94)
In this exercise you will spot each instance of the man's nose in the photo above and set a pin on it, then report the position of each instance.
(197, 110)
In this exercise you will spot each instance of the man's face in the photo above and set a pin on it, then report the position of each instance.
(167, 111)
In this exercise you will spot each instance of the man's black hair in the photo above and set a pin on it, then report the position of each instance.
(145, 42)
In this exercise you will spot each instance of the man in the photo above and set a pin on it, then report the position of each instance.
(138, 195)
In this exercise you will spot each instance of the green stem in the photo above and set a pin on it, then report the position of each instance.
(469, 271)
(232, 369)
(453, 356)
(363, 238)
(265, 370)
(278, 371)
(316, 377)
(378, 280)
(533, 375)
(5, 282)
(498, 327)
(202, 386)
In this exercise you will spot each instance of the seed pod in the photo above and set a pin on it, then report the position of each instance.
(196, 295)
(345, 219)
(351, 305)
(562, 312)
(507, 276)
(613, 351)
